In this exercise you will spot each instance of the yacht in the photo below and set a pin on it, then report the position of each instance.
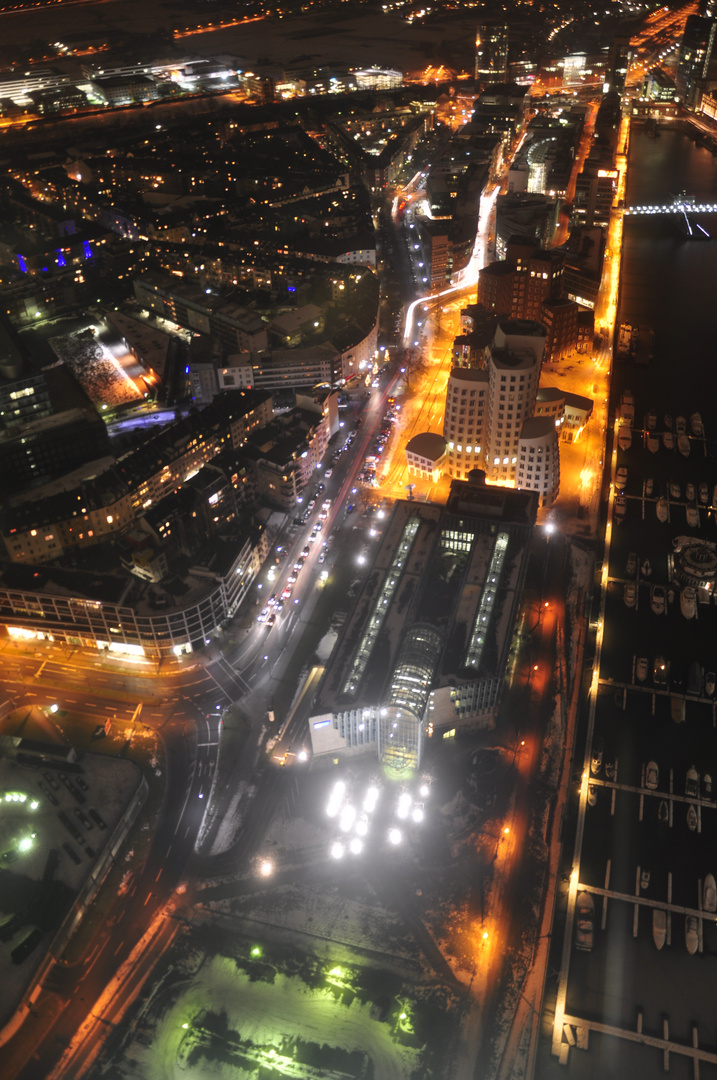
(696, 425)
(584, 916)
(661, 508)
(709, 894)
(704, 493)
(653, 443)
(683, 444)
(688, 602)
(663, 812)
(675, 492)
(693, 516)
(624, 437)
(651, 421)
(691, 818)
(650, 483)
(620, 508)
(668, 421)
(709, 684)
(658, 599)
(659, 926)
(690, 491)
(668, 440)
(692, 938)
(680, 425)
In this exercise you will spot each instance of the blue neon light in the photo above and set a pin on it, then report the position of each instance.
(88, 249)
(60, 258)
(23, 264)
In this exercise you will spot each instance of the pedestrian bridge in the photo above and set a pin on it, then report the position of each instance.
(683, 204)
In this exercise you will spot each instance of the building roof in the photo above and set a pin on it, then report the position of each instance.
(427, 444)
(537, 427)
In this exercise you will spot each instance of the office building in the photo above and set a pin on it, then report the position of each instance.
(491, 56)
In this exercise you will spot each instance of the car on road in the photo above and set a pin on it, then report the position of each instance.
(263, 614)
(350, 508)
(328, 473)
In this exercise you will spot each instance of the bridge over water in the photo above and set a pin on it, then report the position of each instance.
(681, 204)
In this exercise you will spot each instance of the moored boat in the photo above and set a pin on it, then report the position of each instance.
(693, 516)
(709, 894)
(653, 443)
(661, 508)
(696, 425)
(651, 421)
(683, 444)
(668, 440)
(692, 938)
(691, 818)
(680, 425)
(659, 926)
(624, 437)
(668, 421)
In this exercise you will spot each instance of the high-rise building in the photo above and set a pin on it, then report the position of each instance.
(514, 363)
(491, 62)
(618, 62)
(695, 54)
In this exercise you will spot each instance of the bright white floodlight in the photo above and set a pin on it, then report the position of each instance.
(404, 805)
(356, 845)
(335, 798)
(394, 836)
(370, 799)
(347, 818)
(337, 850)
(417, 815)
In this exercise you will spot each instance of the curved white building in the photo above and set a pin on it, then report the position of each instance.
(539, 459)
(464, 420)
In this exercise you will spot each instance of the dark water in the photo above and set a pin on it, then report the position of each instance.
(669, 282)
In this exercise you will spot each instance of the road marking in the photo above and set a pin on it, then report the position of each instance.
(159, 874)
(120, 944)
(146, 899)
(168, 850)
(189, 829)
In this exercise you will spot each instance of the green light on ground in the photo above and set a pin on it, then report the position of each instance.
(185, 1026)
(25, 844)
(337, 972)
(256, 951)
(402, 1016)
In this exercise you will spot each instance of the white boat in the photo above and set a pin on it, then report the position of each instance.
(683, 444)
(663, 812)
(709, 684)
(651, 421)
(668, 440)
(680, 425)
(659, 926)
(653, 443)
(690, 491)
(649, 485)
(646, 568)
(624, 437)
(658, 599)
(661, 508)
(692, 782)
(693, 516)
(691, 818)
(709, 894)
(707, 781)
(592, 795)
(692, 938)
(584, 916)
(644, 880)
(621, 478)
(652, 775)
(675, 492)
(688, 602)
(620, 508)
(696, 425)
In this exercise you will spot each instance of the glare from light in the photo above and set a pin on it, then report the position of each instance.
(337, 850)
(424, 791)
(266, 868)
(362, 826)
(370, 799)
(417, 815)
(394, 836)
(356, 845)
(347, 818)
(302, 756)
(404, 805)
(25, 844)
(336, 798)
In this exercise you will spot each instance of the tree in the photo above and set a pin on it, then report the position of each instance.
(413, 367)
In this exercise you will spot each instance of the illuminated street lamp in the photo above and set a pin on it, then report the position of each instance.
(266, 868)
